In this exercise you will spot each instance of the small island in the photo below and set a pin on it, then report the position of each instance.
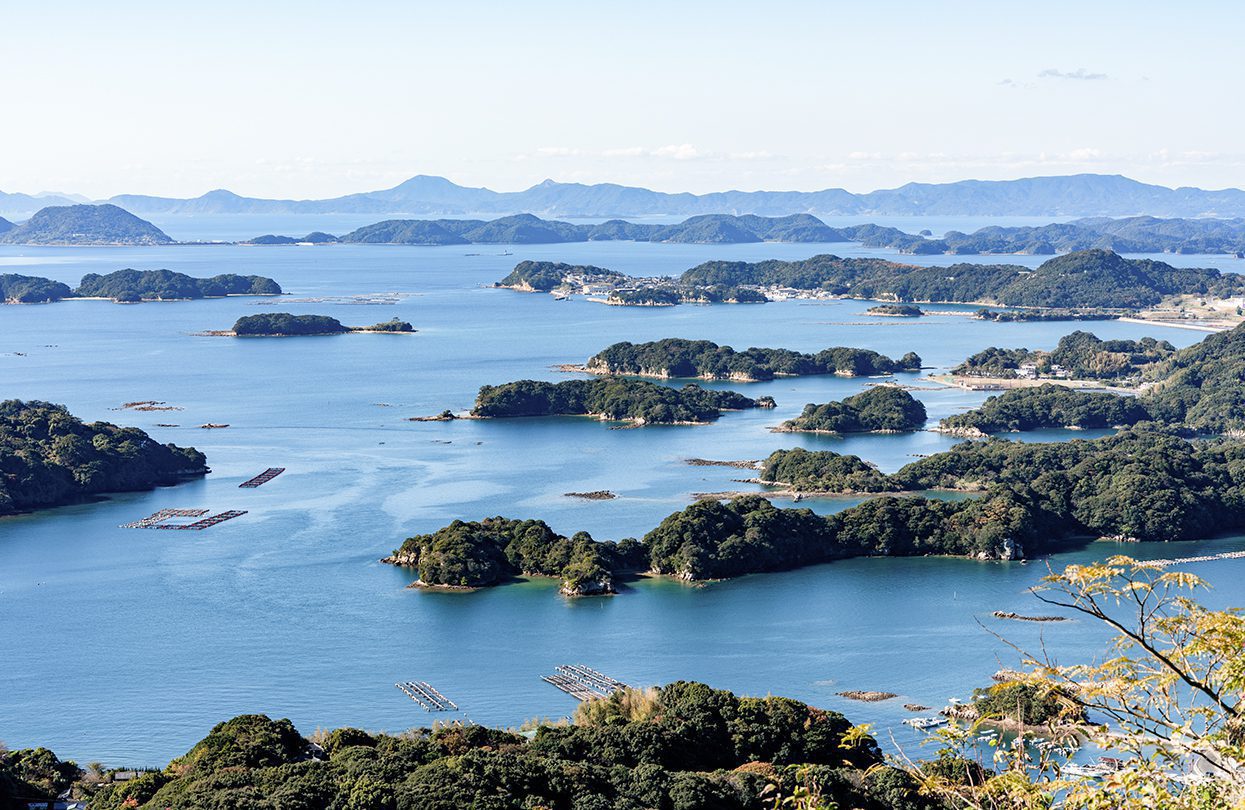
(284, 324)
(130, 286)
(881, 409)
(545, 276)
(612, 399)
(48, 457)
(703, 359)
(896, 311)
(478, 554)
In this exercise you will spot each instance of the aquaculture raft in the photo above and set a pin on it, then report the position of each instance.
(203, 523)
(263, 478)
(427, 696)
(583, 683)
(163, 515)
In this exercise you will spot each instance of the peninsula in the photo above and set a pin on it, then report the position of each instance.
(84, 225)
(48, 457)
(1086, 284)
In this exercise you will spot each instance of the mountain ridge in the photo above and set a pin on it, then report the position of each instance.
(1080, 195)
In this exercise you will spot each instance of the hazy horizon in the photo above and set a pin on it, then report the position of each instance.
(298, 101)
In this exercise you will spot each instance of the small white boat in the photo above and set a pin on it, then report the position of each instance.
(924, 722)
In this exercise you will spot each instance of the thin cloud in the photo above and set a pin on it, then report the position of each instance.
(1080, 74)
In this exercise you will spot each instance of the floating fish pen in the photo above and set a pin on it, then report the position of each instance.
(583, 683)
(163, 515)
(204, 523)
(426, 695)
(263, 478)
(1227, 555)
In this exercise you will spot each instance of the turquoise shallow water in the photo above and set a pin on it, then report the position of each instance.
(126, 646)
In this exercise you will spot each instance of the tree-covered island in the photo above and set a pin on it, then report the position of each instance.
(490, 552)
(880, 409)
(48, 457)
(703, 359)
(611, 399)
(132, 286)
(284, 324)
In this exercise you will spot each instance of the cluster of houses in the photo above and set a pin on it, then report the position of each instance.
(1029, 371)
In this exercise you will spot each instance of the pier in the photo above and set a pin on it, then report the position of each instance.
(583, 683)
(426, 695)
(163, 515)
(263, 478)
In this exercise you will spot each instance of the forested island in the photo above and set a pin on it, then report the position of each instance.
(1078, 356)
(166, 285)
(132, 286)
(896, 310)
(496, 550)
(284, 324)
(313, 238)
(1091, 284)
(880, 409)
(703, 359)
(683, 746)
(614, 399)
(48, 457)
(84, 225)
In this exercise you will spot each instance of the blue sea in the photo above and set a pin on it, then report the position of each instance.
(126, 646)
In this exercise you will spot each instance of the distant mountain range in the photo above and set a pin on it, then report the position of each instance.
(423, 195)
(108, 224)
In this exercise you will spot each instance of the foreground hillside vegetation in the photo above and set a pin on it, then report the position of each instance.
(682, 747)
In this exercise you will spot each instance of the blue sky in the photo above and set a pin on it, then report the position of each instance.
(316, 99)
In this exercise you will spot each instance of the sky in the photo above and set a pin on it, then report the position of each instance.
(315, 99)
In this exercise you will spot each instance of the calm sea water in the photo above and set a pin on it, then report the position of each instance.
(126, 646)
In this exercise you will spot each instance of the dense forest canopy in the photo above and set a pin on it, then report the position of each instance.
(684, 746)
(48, 457)
(129, 286)
(16, 289)
(1049, 406)
(611, 398)
(882, 408)
(676, 357)
(492, 551)
(166, 285)
(283, 323)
